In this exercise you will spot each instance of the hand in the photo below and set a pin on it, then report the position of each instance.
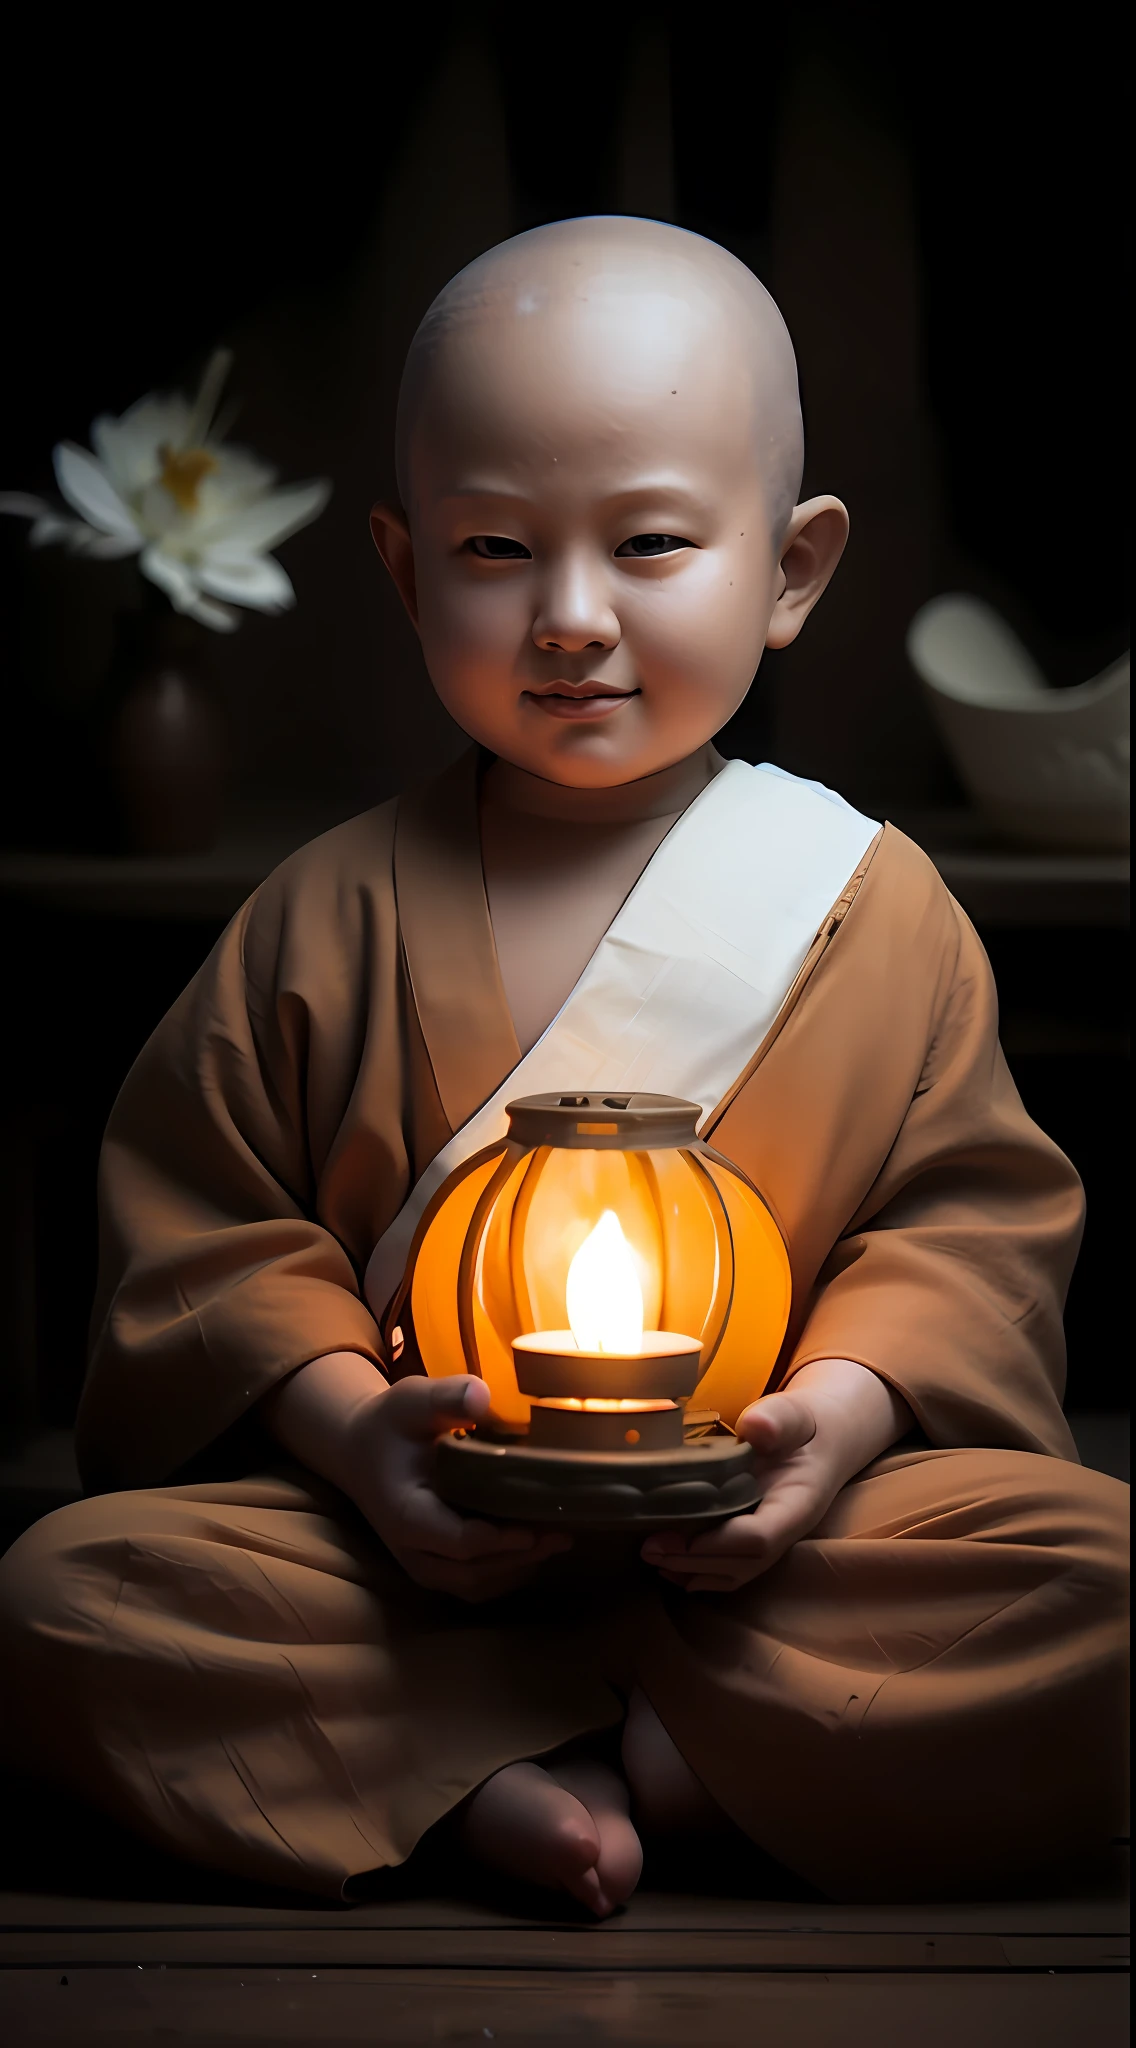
(389, 1467)
(339, 1417)
(832, 1420)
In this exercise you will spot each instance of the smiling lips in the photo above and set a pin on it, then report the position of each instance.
(590, 700)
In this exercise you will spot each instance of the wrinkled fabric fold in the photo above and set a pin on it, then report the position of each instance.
(927, 1695)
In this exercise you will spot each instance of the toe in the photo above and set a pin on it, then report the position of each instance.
(586, 1887)
(573, 1843)
(620, 1864)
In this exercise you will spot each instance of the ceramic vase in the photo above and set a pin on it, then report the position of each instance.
(1047, 767)
(164, 741)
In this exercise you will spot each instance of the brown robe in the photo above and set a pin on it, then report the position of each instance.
(926, 1694)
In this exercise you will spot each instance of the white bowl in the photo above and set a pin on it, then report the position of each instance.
(1047, 767)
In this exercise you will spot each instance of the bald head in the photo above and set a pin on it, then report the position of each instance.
(599, 453)
(661, 314)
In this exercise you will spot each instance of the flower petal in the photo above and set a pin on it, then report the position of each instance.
(218, 616)
(254, 580)
(172, 577)
(128, 447)
(240, 476)
(269, 520)
(51, 526)
(23, 506)
(102, 547)
(180, 587)
(86, 486)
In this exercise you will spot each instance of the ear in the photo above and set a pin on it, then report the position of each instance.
(810, 551)
(391, 536)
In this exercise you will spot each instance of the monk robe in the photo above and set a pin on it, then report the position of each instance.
(924, 1695)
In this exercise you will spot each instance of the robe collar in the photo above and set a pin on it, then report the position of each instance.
(681, 997)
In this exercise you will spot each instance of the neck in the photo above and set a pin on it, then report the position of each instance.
(662, 795)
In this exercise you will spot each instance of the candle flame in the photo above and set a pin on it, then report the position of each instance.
(605, 1300)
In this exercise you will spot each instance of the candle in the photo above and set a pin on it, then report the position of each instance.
(605, 1383)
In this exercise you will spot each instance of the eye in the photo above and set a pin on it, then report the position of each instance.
(642, 545)
(493, 547)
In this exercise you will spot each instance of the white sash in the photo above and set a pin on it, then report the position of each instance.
(691, 972)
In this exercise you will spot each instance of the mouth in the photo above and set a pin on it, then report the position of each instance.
(579, 701)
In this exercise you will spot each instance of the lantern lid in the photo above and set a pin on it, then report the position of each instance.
(615, 1122)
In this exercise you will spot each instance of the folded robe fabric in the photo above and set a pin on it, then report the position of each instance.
(273, 1126)
(925, 1697)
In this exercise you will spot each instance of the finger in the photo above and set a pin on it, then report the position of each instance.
(550, 1544)
(490, 1575)
(735, 1538)
(777, 1425)
(704, 1583)
(784, 1517)
(463, 1538)
(664, 1543)
(426, 1523)
(685, 1568)
(788, 1512)
(741, 1536)
(422, 1409)
(792, 1506)
(513, 1540)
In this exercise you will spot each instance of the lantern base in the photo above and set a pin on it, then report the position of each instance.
(701, 1481)
(657, 1427)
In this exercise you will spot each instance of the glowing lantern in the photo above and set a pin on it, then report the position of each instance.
(598, 1268)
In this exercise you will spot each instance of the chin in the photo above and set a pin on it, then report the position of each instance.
(596, 756)
(595, 765)
(579, 757)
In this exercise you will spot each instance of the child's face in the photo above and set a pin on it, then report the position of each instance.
(590, 563)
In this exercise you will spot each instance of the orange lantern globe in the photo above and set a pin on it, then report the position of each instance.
(623, 1291)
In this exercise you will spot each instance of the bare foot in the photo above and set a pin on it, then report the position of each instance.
(566, 1827)
(669, 1799)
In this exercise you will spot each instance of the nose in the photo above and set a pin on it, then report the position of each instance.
(575, 611)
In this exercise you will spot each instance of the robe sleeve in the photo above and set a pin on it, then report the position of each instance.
(217, 1276)
(950, 1279)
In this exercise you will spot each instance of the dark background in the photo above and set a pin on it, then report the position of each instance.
(932, 195)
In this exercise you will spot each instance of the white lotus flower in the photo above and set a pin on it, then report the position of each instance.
(200, 516)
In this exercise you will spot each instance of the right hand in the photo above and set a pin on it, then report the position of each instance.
(388, 1472)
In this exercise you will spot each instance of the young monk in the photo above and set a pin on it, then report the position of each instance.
(277, 1652)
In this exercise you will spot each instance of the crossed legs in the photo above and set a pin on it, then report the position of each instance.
(233, 1671)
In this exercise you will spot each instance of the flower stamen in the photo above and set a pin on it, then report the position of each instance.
(183, 472)
(205, 405)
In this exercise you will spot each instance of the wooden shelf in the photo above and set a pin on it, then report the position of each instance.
(209, 885)
(996, 885)
(1000, 885)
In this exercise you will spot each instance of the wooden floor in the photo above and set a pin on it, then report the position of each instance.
(672, 1969)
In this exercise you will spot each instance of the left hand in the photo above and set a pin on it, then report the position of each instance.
(832, 1420)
